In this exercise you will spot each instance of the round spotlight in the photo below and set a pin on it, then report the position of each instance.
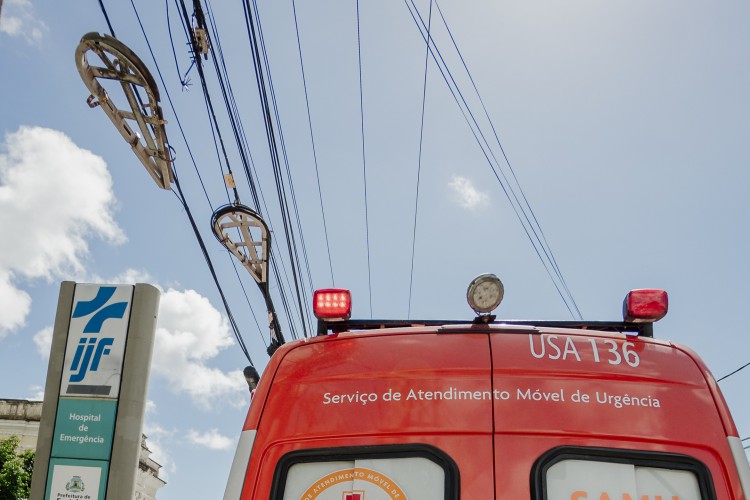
(485, 293)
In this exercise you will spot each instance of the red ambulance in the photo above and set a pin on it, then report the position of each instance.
(488, 409)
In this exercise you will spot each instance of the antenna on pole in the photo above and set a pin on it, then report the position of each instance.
(245, 234)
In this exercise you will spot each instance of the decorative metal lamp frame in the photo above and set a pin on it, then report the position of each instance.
(245, 234)
(119, 63)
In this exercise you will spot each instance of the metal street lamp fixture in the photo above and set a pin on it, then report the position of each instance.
(117, 63)
(245, 234)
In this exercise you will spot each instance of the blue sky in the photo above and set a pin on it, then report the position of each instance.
(626, 123)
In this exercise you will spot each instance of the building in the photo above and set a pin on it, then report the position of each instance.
(147, 480)
(21, 418)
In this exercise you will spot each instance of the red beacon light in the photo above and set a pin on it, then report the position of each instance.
(645, 306)
(332, 304)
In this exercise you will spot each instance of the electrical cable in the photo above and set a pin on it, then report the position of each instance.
(737, 370)
(254, 36)
(234, 119)
(242, 144)
(507, 161)
(364, 157)
(239, 138)
(210, 265)
(247, 298)
(231, 109)
(218, 155)
(106, 17)
(184, 80)
(419, 160)
(312, 140)
(212, 112)
(305, 312)
(181, 197)
(477, 129)
(482, 142)
(464, 110)
(284, 198)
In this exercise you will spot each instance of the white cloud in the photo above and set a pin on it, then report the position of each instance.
(43, 341)
(14, 304)
(37, 393)
(465, 194)
(53, 197)
(211, 440)
(189, 333)
(18, 19)
(129, 277)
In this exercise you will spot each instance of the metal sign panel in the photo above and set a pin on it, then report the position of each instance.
(96, 341)
(89, 445)
(84, 428)
(77, 479)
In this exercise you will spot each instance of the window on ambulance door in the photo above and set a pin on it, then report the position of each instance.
(371, 473)
(603, 474)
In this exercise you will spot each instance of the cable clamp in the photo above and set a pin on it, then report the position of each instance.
(201, 41)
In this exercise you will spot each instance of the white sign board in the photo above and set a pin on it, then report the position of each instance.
(96, 341)
(75, 482)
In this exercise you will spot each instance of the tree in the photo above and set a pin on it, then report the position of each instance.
(15, 470)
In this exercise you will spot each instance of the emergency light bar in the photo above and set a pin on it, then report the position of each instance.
(332, 304)
(645, 306)
(641, 308)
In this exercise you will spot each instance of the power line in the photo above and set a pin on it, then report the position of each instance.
(419, 161)
(248, 164)
(236, 126)
(260, 61)
(181, 197)
(364, 158)
(184, 80)
(106, 17)
(551, 255)
(303, 297)
(737, 370)
(211, 268)
(529, 228)
(312, 140)
(281, 190)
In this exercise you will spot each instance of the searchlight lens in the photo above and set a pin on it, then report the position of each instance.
(485, 293)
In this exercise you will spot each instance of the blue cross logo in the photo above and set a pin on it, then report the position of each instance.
(91, 349)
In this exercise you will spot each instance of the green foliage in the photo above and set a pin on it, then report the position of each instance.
(15, 470)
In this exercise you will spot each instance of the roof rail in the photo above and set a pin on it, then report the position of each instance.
(642, 329)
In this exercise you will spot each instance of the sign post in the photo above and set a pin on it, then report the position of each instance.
(95, 395)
